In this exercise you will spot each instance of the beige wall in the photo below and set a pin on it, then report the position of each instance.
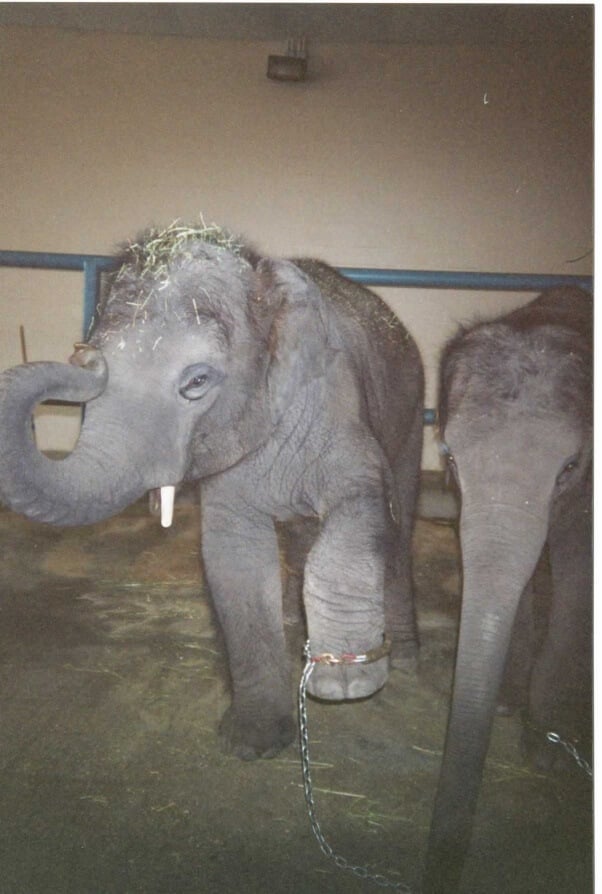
(450, 158)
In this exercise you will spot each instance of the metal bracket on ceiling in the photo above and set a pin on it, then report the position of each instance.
(293, 66)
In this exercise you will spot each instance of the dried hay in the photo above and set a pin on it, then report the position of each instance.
(157, 250)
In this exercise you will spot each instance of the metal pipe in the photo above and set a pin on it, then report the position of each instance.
(91, 265)
(369, 276)
(53, 260)
(92, 270)
(459, 280)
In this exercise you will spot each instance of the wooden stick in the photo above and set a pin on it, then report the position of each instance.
(23, 344)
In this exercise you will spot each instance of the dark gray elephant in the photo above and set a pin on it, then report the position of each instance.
(289, 392)
(516, 421)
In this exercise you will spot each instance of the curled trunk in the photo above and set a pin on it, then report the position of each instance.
(84, 487)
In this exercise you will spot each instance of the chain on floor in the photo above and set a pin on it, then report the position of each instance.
(361, 872)
(555, 739)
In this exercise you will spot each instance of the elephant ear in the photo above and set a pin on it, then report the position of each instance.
(298, 338)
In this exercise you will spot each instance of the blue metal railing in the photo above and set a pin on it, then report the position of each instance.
(93, 265)
(459, 280)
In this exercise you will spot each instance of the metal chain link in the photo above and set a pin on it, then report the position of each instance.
(555, 739)
(361, 872)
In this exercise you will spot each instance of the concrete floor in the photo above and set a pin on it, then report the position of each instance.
(112, 683)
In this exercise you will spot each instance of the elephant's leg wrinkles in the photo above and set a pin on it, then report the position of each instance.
(240, 553)
(344, 597)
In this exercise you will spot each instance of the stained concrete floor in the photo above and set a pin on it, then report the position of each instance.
(112, 683)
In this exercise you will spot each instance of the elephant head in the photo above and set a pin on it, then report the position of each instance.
(516, 423)
(193, 358)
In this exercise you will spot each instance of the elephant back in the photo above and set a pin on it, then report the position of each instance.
(357, 307)
(381, 350)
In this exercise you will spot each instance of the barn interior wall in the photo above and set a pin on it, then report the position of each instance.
(427, 157)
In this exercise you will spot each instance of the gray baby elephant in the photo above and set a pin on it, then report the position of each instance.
(516, 422)
(288, 392)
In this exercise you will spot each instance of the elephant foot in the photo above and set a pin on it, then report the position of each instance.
(251, 738)
(349, 681)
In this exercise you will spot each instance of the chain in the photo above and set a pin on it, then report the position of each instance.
(555, 739)
(361, 872)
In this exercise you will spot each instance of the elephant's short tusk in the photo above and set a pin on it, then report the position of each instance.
(167, 500)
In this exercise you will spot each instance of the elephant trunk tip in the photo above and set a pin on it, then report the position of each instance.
(88, 357)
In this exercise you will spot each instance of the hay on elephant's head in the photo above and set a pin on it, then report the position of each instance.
(158, 249)
(139, 287)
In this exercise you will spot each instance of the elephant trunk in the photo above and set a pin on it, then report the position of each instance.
(87, 485)
(500, 549)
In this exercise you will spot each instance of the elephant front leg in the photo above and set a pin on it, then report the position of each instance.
(344, 599)
(240, 554)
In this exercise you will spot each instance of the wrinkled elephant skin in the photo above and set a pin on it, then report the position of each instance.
(289, 393)
(516, 423)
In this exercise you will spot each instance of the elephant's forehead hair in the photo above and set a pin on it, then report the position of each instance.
(495, 370)
(188, 281)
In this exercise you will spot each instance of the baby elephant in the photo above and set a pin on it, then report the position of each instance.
(516, 424)
(289, 393)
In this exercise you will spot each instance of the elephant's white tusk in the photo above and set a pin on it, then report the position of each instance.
(167, 500)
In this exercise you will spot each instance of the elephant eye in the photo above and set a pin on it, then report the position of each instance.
(567, 471)
(197, 380)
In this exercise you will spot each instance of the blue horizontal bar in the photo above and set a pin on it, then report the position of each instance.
(369, 276)
(451, 279)
(53, 260)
